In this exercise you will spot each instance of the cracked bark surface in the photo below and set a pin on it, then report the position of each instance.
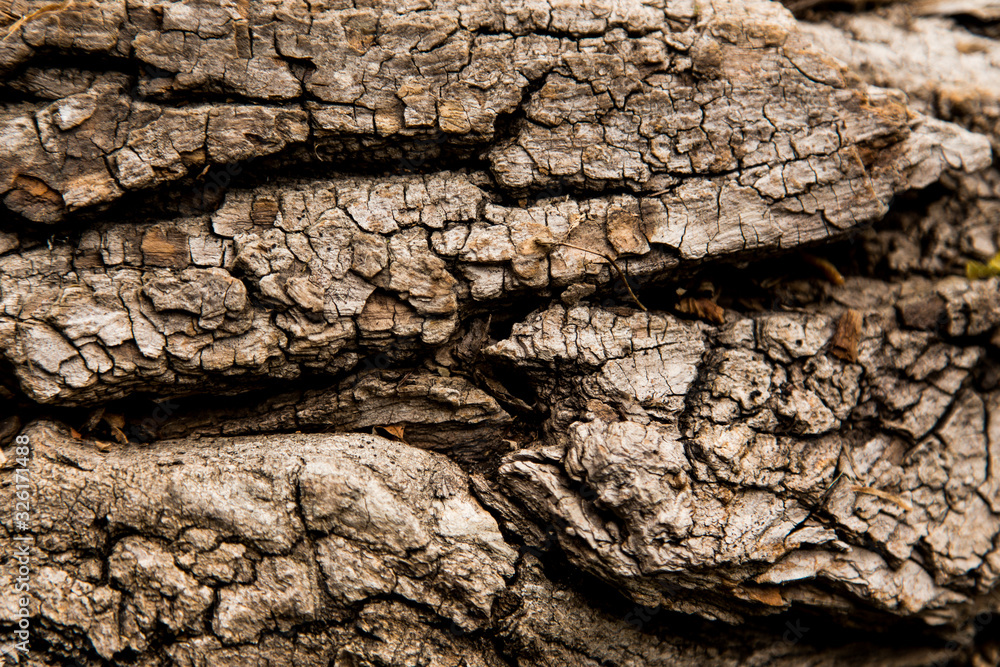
(366, 261)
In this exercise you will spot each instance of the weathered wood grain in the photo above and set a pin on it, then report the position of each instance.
(365, 258)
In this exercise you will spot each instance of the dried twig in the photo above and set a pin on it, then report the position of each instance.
(829, 271)
(47, 9)
(621, 274)
(822, 499)
(829, 489)
(703, 309)
(884, 495)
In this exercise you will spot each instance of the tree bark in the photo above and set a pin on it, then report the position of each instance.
(520, 333)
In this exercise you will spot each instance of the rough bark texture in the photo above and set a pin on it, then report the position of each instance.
(499, 333)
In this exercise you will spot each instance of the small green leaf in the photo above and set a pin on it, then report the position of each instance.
(980, 271)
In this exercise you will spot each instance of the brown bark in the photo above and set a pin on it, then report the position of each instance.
(484, 333)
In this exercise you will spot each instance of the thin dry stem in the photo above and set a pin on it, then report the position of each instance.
(47, 9)
(621, 274)
(884, 495)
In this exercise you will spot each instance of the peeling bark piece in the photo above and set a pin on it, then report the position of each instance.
(844, 344)
(186, 321)
(703, 309)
